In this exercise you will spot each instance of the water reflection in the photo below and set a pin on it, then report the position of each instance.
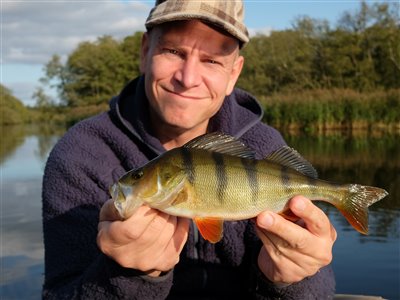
(23, 154)
(368, 160)
(363, 264)
(11, 138)
(21, 240)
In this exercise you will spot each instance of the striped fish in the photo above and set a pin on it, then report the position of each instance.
(215, 177)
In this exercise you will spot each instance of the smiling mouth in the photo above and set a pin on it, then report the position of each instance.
(183, 95)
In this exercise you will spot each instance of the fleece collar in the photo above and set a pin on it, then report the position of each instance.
(239, 112)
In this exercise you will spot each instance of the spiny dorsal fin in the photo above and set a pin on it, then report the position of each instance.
(290, 158)
(221, 143)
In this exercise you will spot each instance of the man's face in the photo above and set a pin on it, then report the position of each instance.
(189, 68)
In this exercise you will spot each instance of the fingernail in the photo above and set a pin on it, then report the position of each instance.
(300, 205)
(266, 221)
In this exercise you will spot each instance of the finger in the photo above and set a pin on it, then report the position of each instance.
(286, 261)
(146, 221)
(291, 260)
(181, 233)
(132, 228)
(170, 254)
(333, 233)
(269, 245)
(163, 233)
(109, 212)
(315, 219)
(281, 230)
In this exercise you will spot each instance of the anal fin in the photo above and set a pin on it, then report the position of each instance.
(210, 229)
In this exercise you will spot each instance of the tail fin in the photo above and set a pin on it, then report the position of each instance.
(355, 206)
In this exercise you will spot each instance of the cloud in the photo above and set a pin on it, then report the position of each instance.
(32, 31)
(263, 31)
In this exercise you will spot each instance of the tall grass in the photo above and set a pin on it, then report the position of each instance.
(320, 110)
(67, 115)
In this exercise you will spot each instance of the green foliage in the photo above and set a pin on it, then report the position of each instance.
(322, 110)
(12, 111)
(362, 53)
(313, 75)
(43, 101)
(95, 71)
(12, 136)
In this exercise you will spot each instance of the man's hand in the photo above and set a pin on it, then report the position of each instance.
(149, 240)
(294, 251)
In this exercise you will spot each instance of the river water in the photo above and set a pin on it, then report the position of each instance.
(368, 265)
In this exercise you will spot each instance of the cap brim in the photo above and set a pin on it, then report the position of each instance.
(211, 19)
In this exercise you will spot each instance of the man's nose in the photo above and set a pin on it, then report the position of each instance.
(188, 74)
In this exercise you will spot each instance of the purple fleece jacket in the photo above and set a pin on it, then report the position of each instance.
(92, 156)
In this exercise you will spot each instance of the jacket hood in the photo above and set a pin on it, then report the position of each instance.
(239, 112)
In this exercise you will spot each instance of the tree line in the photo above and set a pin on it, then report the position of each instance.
(361, 53)
(12, 111)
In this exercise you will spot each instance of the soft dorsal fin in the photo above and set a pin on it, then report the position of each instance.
(290, 158)
(221, 143)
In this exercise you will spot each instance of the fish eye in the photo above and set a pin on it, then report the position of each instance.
(137, 175)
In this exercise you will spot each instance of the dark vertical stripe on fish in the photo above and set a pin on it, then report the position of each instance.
(312, 183)
(220, 172)
(188, 164)
(250, 165)
(285, 178)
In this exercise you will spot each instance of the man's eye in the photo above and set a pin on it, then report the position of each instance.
(171, 51)
(213, 61)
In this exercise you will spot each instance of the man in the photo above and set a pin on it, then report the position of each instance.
(190, 62)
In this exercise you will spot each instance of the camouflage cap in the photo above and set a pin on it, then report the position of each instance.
(226, 14)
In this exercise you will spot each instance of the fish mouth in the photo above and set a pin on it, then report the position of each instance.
(114, 191)
(120, 192)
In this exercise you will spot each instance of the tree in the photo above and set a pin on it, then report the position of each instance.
(95, 71)
(42, 100)
(12, 111)
(56, 76)
(372, 45)
(361, 52)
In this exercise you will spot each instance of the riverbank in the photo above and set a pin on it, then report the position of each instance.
(311, 111)
(336, 109)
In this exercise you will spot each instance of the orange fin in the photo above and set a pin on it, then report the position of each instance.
(210, 229)
(355, 206)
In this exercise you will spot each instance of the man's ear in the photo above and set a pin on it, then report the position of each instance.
(143, 52)
(235, 72)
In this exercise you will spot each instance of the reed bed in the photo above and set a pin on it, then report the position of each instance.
(336, 109)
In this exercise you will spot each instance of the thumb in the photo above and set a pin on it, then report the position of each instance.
(109, 212)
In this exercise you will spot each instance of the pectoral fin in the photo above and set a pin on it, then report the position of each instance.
(210, 229)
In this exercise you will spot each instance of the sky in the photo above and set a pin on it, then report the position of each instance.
(33, 30)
